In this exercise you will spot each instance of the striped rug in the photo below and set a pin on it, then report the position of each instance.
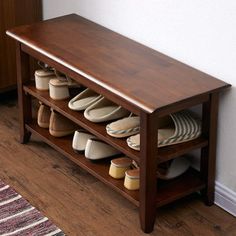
(18, 217)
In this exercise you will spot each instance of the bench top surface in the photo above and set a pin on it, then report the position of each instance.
(145, 78)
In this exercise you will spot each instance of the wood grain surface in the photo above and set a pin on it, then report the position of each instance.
(80, 204)
(112, 64)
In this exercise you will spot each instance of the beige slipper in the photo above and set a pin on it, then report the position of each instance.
(42, 79)
(58, 89)
(80, 140)
(60, 126)
(105, 110)
(84, 100)
(44, 113)
(96, 149)
(132, 179)
(125, 127)
(177, 128)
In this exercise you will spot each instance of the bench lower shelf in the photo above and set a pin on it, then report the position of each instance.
(167, 191)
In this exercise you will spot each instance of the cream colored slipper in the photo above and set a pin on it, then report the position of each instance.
(173, 168)
(80, 140)
(104, 110)
(125, 127)
(119, 166)
(132, 179)
(96, 149)
(83, 100)
(58, 89)
(44, 113)
(177, 128)
(43, 76)
(42, 79)
(60, 126)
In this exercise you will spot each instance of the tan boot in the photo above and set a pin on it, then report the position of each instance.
(44, 113)
(61, 126)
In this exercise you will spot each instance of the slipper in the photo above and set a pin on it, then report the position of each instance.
(104, 110)
(125, 127)
(43, 116)
(80, 140)
(83, 100)
(58, 89)
(166, 171)
(176, 128)
(132, 179)
(60, 126)
(173, 168)
(119, 166)
(96, 149)
(42, 78)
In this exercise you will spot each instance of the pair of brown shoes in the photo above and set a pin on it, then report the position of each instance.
(59, 126)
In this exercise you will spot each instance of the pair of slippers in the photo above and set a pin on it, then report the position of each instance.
(125, 168)
(58, 125)
(129, 170)
(96, 107)
(176, 128)
(92, 147)
(58, 84)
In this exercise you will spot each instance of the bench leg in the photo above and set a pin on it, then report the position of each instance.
(24, 100)
(148, 163)
(208, 154)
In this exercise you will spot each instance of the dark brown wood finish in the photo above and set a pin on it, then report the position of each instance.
(144, 81)
(114, 65)
(208, 153)
(167, 191)
(14, 13)
(164, 153)
(148, 167)
(98, 129)
(24, 100)
(81, 205)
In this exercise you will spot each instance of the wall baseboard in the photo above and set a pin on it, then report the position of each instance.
(225, 198)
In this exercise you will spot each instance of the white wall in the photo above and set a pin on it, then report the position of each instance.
(199, 33)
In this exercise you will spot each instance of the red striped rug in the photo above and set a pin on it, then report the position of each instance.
(19, 218)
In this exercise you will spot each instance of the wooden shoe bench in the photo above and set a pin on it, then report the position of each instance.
(144, 81)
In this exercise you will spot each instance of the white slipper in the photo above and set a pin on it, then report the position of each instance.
(83, 100)
(58, 89)
(80, 140)
(125, 127)
(42, 79)
(96, 149)
(173, 169)
(104, 110)
(177, 128)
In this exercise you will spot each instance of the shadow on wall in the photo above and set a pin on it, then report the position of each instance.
(226, 141)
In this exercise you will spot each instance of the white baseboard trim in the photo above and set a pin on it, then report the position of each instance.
(225, 198)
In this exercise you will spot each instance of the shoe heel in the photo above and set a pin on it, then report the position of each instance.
(119, 166)
(132, 181)
(43, 116)
(58, 89)
(42, 79)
